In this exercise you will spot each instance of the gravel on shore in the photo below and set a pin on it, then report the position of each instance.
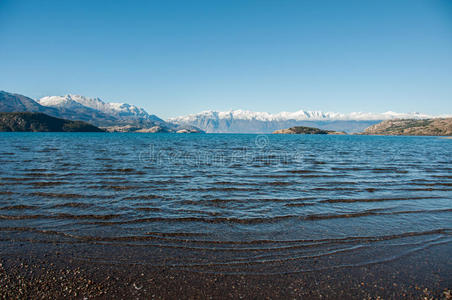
(59, 277)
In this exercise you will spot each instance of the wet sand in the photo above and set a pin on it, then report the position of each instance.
(54, 274)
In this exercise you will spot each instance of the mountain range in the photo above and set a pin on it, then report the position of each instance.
(126, 117)
(121, 117)
(241, 121)
(122, 112)
(68, 107)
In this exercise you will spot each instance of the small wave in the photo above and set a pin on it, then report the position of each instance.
(258, 220)
(60, 216)
(47, 183)
(156, 209)
(57, 195)
(431, 183)
(389, 170)
(248, 200)
(323, 176)
(45, 150)
(442, 176)
(372, 213)
(115, 187)
(349, 169)
(18, 207)
(228, 189)
(143, 197)
(233, 183)
(269, 176)
(200, 219)
(299, 204)
(119, 170)
(40, 174)
(282, 183)
(334, 189)
(375, 199)
(425, 189)
(73, 204)
(301, 171)
(175, 234)
(16, 178)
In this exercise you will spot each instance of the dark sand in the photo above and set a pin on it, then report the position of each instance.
(49, 273)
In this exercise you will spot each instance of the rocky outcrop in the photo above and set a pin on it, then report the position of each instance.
(306, 130)
(154, 129)
(39, 122)
(125, 128)
(427, 127)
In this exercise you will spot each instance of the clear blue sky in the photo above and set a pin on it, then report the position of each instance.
(180, 57)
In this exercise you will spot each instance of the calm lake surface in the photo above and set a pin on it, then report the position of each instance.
(254, 204)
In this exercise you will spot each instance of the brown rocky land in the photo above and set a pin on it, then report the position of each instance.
(428, 127)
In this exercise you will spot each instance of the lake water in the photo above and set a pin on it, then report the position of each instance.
(261, 204)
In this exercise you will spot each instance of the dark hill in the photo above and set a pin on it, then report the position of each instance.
(27, 121)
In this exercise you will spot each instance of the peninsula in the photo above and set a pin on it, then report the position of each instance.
(423, 127)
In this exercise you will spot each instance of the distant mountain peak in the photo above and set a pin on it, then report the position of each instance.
(59, 102)
(245, 121)
(116, 109)
(77, 107)
(298, 115)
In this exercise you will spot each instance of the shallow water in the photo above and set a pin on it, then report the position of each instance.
(227, 203)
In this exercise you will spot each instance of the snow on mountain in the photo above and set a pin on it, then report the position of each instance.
(243, 121)
(300, 115)
(120, 110)
(59, 102)
(101, 113)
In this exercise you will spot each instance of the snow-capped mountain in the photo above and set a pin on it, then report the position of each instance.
(300, 115)
(123, 116)
(122, 111)
(115, 117)
(242, 121)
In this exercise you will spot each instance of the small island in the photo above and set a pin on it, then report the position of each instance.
(39, 122)
(306, 130)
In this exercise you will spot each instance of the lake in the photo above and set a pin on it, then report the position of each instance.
(226, 203)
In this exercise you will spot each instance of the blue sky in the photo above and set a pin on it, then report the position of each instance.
(180, 57)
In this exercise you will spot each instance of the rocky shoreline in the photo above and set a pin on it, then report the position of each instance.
(154, 129)
(57, 275)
